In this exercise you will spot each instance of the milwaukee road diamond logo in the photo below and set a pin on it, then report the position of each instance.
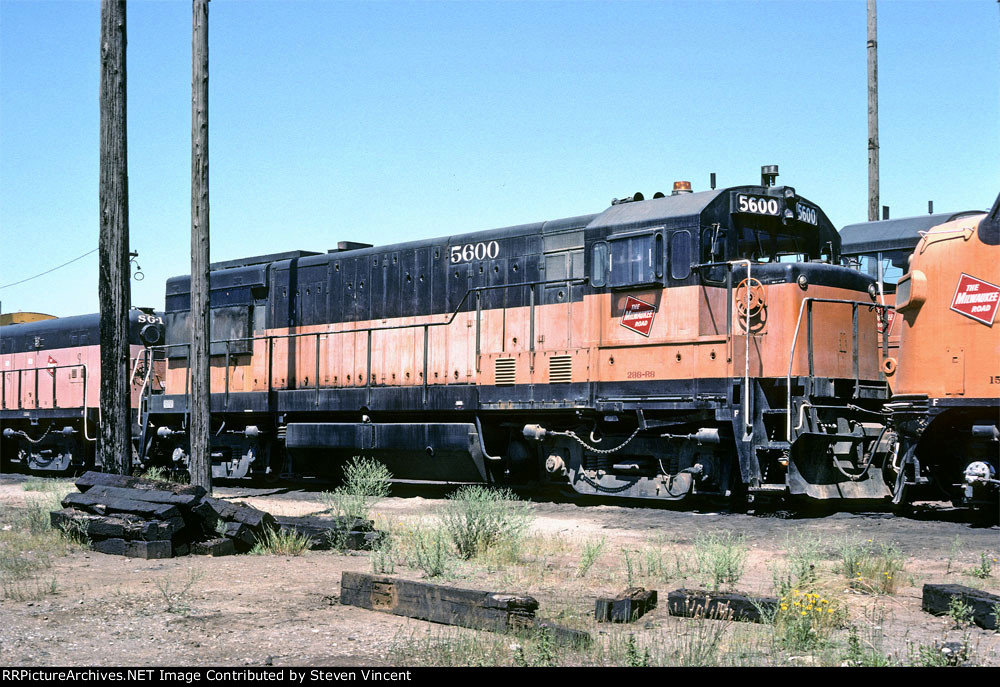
(638, 315)
(977, 299)
(885, 324)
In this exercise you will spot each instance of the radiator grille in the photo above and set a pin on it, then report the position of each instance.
(504, 371)
(560, 369)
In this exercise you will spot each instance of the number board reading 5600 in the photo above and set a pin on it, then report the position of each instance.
(474, 251)
(757, 205)
(806, 213)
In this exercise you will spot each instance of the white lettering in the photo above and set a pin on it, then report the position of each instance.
(964, 298)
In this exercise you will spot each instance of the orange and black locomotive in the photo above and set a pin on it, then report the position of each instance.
(691, 343)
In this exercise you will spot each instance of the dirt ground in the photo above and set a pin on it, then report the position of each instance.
(285, 610)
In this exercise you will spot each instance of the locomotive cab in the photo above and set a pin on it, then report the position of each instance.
(758, 346)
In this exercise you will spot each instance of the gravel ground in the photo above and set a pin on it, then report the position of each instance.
(285, 610)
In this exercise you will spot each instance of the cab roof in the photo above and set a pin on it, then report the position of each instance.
(891, 234)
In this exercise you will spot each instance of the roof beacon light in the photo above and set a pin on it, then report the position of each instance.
(681, 187)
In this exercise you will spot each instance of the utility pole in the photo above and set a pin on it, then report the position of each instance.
(200, 461)
(872, 114)
(113, 283)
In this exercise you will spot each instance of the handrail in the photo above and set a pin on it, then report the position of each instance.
(747, 420)
(791, 354)
(944, 235)
(20, 372)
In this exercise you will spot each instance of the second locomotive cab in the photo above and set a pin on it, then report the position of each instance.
(696, 343)
(50, 382)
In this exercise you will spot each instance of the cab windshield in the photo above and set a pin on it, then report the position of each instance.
(885, 266)
(764, 245)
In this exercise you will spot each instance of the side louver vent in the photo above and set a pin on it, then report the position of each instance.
(504, 371)
(560, 369)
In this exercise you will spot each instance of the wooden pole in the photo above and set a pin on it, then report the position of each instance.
(873, 198)
(115, 447)
(200, 458)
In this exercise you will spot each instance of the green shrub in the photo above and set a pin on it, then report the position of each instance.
(282, 543)
(54, 486)
(591, 552)
(432, 551)
(985, 568)
(956, 551)
(478, 518)
(806, 620)
(859, 655)
(941, 655)
(161, 474)
(800, 567)
(630, 567)
(383, 556)
(702, 640)
(365, 482)
(960, 612)
(28, 544)
(633, 657)
(177, 593)
(720, 558)
(872, 567)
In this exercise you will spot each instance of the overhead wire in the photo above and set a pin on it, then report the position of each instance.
(42, 274)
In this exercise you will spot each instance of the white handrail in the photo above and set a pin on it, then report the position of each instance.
(791, 354)
(86, 377)
(747, 420)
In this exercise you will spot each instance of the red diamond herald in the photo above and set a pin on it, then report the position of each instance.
(977, 299)
(638, 315)
(885, 325)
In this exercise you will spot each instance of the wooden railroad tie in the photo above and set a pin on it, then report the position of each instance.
(630, 605)
(104, 479)
(938, 599)
(697, 603)
(341, 533)
(452, 606)
(146, 518)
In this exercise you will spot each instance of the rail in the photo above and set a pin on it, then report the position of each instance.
(806, 307)
(271, 338)
(20, 372)
(747, 417)
(52, 369)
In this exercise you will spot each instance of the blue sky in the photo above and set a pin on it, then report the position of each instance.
(392, 121)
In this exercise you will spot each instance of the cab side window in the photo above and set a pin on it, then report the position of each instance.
(680, 254)
(636, 259)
